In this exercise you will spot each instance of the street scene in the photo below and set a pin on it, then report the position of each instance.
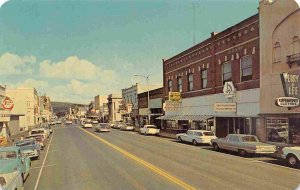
(150, 95)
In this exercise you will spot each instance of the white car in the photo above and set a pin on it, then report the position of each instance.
(292, 155)
(149, 130)
(95, 122)
(11, 181)
(126, 127)
(69, 122)
(87, 124)
(102, 127)
(196, 137)
(43, 131)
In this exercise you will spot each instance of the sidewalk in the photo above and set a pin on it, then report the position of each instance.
(17, 137)
(167, 135)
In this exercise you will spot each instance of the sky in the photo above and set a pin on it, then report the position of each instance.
(73, 50)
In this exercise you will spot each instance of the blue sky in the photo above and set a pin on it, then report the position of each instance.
(73, 50)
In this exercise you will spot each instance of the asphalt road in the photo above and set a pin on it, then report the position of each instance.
(83, 159)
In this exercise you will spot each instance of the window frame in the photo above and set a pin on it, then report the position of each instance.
(201, 72)
(228, 62)
(276, 52)
(241, 70)
(190, 82)
(179, 86)
(170, 87)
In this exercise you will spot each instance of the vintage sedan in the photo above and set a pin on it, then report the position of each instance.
(149, 130)
(102, 127)
(196, 137)
(69, 122)
(40, 139)
(292, 155)
(87, 123)
(38, 131)
(29, 148)
(11, 181)
(243, 144)
(11, 160)
(126, 127)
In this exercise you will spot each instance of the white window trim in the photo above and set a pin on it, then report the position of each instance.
(241, 67)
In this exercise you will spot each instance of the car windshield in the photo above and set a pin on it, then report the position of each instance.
(7, 155)
(36, 132)
(24, 143)
(151, 126)
(208, 134)
(281, 130)
(249, 139)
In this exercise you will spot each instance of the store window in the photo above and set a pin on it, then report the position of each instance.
(170, 86)
(278, 130)
(276, 52)
(179, 84)
(190, 82)
(226, 67)
(294, 131)
(204, 78)
(246, 68)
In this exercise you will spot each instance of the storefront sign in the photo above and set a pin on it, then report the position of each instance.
(129, 108)
(287, 102)
(7, 104)
(229, 89)
(174, 96)
(171, 106)
(4, 118)
(291, 84)
(225, 107)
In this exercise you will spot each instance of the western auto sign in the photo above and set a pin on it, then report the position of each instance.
(287, 102)
(291, 86)
(7, 104)
(174, 96)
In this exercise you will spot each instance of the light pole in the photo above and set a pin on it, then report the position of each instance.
(148, 111)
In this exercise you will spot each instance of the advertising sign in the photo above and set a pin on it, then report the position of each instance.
(229, 89)
(171, 106)
(174, 96)
(7, 104)
(291, 86)
(225, 107)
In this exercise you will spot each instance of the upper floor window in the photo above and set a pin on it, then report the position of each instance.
(296, 45)
(179, 84)
(204, 78)
(190, 82)
(246, 68)
(276, 52)
(226, 72)
(170, 84)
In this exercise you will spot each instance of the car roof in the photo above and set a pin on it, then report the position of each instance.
(240, 135)
(199, 131)
(9, 148)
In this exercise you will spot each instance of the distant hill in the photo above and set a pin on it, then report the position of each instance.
(63, 107)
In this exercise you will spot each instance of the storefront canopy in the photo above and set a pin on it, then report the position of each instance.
(185, 117)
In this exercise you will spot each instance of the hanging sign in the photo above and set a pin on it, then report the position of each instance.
(7, 104)
(287, 102)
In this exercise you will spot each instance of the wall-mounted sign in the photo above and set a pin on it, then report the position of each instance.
(129, 108)
(291, 85)
(287, 102)
(171, 106)
(7, 104)
(174, 96)
(225, 107)
(229, 89)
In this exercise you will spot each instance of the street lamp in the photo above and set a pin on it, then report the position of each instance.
(147, 78)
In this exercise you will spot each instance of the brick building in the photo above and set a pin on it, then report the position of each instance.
(200, 73)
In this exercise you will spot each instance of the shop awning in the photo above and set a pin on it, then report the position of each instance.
(167, 117)
(185, 117)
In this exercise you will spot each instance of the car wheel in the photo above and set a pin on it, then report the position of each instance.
(195, 142)
(179, 139)
(292, 160)
(216, 147)
(243, 153)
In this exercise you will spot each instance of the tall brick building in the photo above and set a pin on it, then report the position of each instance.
(200, 73)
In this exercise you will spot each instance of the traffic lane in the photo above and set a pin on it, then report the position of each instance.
(202, 168)
(79, 161)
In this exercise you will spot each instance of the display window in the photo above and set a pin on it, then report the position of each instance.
(278, 130)
(294, 131)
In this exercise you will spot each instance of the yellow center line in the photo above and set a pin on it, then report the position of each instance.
(143, 162)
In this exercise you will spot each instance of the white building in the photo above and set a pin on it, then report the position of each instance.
(115, 107)
(26, 101)
(99, 102)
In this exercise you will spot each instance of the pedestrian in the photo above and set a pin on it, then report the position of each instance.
(22, 137)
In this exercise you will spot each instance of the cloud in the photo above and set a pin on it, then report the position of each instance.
(75, 68)
(11, 64)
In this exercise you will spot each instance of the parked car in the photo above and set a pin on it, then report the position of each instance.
(11, 181)
(42, 131)
(69, 122)
(40, 139)
(115, 125)
(11, 160)
(126, 127)
(58, 122)
(243, 144)
(49, 128)
(196, 137)
(102, 127)
(87, 123)
(52, 122)
(292, 155)
(279, 134)
(95, 121)
(29, 148)
(149, 130)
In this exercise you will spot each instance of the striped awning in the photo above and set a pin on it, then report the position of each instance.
(185, 117)
(167, 117)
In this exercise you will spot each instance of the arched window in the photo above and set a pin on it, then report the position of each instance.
(276, 52)
(296, 45)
